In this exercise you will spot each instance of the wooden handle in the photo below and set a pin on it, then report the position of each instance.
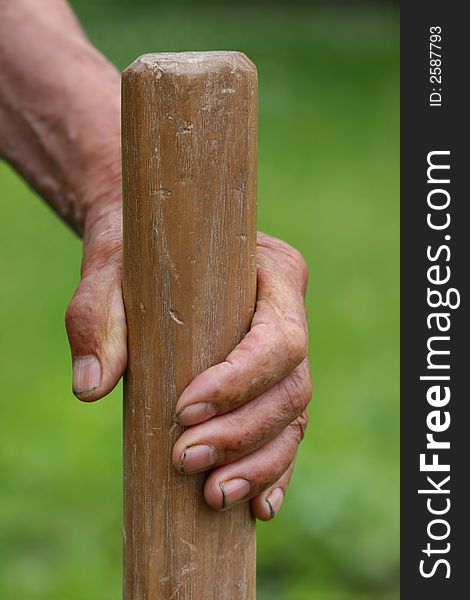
(189, 175)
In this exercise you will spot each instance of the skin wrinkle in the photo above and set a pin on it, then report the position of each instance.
(60, 128)
(290, 356)
(56, 150)
(43, 171)
(245, 430)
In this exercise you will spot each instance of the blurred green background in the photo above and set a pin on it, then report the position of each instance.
(328, 183)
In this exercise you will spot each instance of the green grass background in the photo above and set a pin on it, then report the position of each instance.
(328, 183)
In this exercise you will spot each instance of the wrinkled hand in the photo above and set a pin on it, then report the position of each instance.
(245, 416)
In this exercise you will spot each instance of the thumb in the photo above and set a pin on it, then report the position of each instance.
(95, 318)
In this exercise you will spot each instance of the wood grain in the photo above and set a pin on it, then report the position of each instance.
(189, 176)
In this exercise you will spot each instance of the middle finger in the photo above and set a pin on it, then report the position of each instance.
(228, 437)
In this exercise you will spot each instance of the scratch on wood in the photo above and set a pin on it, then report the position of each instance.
(192, 546)
(173, 595)
(172, 428)
(174, 315)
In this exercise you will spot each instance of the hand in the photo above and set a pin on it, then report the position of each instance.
(245, 416)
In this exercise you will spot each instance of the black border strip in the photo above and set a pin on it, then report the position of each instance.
(426, 129)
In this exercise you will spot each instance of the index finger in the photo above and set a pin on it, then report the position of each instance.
(275, 345)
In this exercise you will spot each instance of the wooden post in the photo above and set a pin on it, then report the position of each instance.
(189, 176)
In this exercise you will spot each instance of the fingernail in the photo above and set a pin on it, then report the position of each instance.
(233, 491)
(86, 375)
(274, 501)
(196, 413)
(197, 458)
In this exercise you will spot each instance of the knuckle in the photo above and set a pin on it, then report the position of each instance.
(299, 426)
(290, 334)
(307, 388)
(291, 254)
(296, 343)
(295, 393)
(232, 444)
(295, 259)
(307, 393)
(72, 313)
(224, 381)
(81, 313)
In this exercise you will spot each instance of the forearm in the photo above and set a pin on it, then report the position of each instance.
(59, 110)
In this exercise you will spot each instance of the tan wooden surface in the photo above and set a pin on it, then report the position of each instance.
(189, 177)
